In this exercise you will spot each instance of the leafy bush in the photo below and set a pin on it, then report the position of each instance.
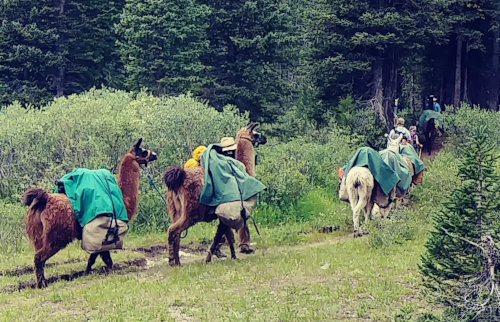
(291, 169)
(11, 227)
(93, 130)
(460, 125)
(402, 226)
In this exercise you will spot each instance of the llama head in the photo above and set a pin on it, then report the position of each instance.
(143, 156)
(249, 133)
(394, 140)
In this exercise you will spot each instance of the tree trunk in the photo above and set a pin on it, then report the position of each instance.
(494, 79)
(378, 91)
(458, 72)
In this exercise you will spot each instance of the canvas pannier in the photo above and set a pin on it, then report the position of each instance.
(230, 213)
(103, 233)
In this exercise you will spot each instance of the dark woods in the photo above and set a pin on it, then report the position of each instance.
(262, 56)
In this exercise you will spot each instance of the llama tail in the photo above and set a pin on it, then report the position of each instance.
(36, 195)
(174, 177)
(363, 196)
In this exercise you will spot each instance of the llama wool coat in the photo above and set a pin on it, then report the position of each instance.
(92, 193)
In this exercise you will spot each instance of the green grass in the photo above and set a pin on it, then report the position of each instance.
(336, 278)
(296, 274)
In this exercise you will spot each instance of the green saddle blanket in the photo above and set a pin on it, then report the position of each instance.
(430, 114)
(93, 193)
(225, 179)
(383, 174)
(398, 165)
(409, 152)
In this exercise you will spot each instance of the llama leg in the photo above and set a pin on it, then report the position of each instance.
(218, 235)
(91, 262)
(106, 258)
(41, 256)
(230, 240)
(355, 215)
(174, 235)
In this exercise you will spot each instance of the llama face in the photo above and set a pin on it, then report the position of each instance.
(143, 156)
(256, 137)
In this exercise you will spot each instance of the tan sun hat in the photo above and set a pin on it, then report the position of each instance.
(227, 143)
(401, 121)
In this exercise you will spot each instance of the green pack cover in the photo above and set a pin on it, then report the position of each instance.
(383, 174)
(430, 114)
(409, 151)
(396, 162)
(88, 192)
(222, 177)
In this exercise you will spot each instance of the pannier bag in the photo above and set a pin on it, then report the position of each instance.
(103, 233)
(230, 213)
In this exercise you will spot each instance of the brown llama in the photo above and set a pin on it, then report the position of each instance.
(51, 223)
(183, 195)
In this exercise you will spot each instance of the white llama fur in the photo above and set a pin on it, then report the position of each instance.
(359, 183)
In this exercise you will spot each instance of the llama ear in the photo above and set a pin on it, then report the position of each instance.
(138, 144)
(253, 125)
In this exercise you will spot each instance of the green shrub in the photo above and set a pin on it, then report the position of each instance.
(11, 227)
(94, 130)
(291, 169)
(460, 125)
(402, 226)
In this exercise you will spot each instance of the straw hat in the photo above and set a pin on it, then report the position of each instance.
(227, 143)
(401, 121)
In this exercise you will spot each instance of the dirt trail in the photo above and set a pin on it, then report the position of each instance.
(154, 256)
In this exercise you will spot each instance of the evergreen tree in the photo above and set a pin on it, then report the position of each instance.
(55, 48)
(250, 59)
(461, 263)
(28, 51)
(161, 43)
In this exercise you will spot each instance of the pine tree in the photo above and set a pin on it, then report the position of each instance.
(161, 43)
(250, 55)
(460, 267)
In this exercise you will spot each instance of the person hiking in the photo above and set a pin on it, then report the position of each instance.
(400, 129)
(435, 105)
(414, 138)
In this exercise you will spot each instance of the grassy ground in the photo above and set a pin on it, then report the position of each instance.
(297, 272)
(331, 278)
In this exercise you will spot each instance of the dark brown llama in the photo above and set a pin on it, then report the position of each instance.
(183, 195)
(51, 223)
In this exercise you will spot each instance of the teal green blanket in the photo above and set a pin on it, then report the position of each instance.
(408, 151)
(382, 173)
(396, 162)
(87, 190)
(224, 178)
(430, 114)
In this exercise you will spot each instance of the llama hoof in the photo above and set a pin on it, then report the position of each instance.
(209, 257)
(358, 234)
(219, 254)
(42, 284)
(172, 262)
(246, 250)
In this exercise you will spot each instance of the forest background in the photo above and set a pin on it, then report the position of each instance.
(80, 81)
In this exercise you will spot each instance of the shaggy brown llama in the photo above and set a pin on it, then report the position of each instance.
(51, 223)
(183, 195)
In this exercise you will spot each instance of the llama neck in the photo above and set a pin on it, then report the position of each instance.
(128, 181)
(245, 153)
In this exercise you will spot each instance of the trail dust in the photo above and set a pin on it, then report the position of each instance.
(156, 255)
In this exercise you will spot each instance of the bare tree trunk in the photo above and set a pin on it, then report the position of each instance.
(378, 91)
(494, 80)
(458, 72)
